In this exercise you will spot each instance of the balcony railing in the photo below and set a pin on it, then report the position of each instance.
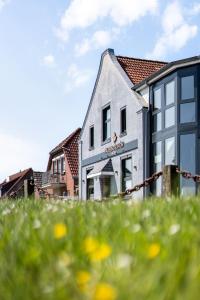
(49, 178)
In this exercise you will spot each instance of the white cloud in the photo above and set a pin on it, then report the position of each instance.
(17, 154)
(49, 60)
(3, 3)
(195, 10)
(176, 31)
(76, 77)
(84, 13)
(100, 39)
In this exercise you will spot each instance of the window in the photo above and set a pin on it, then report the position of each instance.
(169, 93)
(54, 166)
(169, 117)
(126, 173)
(170, 151)
(91, 137)
(157, 122)
(59, 166)
(123, 120)
(106, 123)
(187, 112)
(157, 99)
(187, 87)
(62, 165)
(158, 167)
(187, 161)
(90, 186)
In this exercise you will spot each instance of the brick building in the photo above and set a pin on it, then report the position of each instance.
(61, 177)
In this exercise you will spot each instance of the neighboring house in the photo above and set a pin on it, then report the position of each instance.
(18, 185)
(113, 137)
(61, 178)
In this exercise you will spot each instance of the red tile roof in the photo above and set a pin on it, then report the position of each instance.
(138, 69)
(71, 152)
(70, 147)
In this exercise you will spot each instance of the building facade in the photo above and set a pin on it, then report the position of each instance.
(174, 120)
(112, 141)
(61, 177)
(142, 115)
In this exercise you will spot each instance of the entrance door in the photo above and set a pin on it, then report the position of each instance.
(106, 187)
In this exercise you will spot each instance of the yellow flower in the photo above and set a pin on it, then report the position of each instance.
(90, 245)
(103, 251)
(82, 279)
(95, 250)
(154, 250)
(105, 291)
(60, 230)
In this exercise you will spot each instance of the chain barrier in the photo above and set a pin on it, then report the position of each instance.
(155, 176)
(188, 175)
(145, 183)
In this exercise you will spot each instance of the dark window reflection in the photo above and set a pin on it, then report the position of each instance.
(187, 87)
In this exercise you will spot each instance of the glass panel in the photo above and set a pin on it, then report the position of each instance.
(187, 161)
(106, 123)
(187, 87)
(170, 117)
(188, 112)
(123, 120)
(170, 92)
(170, 151)
(157, 122)
(157, 99)
(157, 167)
(126, 173)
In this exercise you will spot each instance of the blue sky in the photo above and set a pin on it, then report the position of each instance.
(49, 57)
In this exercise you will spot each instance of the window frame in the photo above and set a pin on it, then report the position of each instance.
(129, 177)
(91, 147)
(124, 132)
(108, 139)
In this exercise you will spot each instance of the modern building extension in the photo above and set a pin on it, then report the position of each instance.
(143, 114)
(61, 177)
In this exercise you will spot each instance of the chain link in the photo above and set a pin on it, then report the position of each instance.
(188, 175)
(145, 183)
(155, 176)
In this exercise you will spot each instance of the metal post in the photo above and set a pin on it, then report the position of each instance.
(171, 181)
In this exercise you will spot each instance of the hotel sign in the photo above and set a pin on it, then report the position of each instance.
(114, 148)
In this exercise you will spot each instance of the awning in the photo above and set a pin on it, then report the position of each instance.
(102, 168)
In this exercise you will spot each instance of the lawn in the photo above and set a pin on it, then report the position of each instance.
(100, 251)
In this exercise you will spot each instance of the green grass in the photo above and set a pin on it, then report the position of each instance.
(36, 265)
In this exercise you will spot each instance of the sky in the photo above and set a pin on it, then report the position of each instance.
(49, 57)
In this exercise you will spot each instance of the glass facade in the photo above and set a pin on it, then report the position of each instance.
(174, 113)
(188, 161)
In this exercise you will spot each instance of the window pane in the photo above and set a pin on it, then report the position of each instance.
(106, 123)
(157, 99)
(157, 167)
(170, 92)
(170, 151)
(91, 137)
(157, 122)
(187, 162)
(170, 117)
(126, 173)
(187, 112)
(123, 120)
(187, 87)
